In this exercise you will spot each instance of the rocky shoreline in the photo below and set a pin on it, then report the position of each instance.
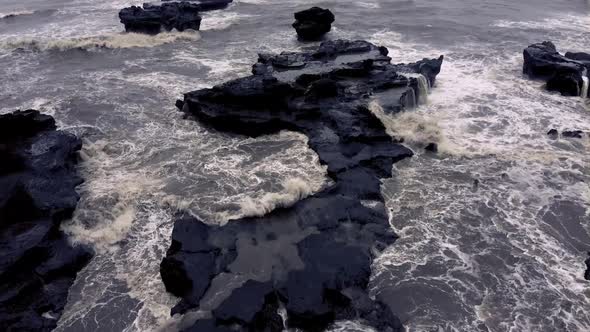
(314, 258)
(38, 180)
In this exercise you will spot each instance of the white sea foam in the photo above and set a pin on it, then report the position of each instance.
(584, 91)
(349, 326)
(472, 232)
(220, 20)
(414, 128)
(293, 191)
(16, 13)
(112, 41)
(136, 179)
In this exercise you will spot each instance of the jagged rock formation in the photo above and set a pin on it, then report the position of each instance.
(313, 258)
(37, 192)
(153, 19)
(553, 133)
(565, 74)
(313, 23)
(205, 5)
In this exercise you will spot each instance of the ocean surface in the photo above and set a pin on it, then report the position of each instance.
(493, 230)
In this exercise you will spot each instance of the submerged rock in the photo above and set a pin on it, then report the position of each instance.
(431, 147)
(572, 133)
(37, 192)
(313, 23)
(152, 19)
(313, 258)
(553, 133)
(565, 74)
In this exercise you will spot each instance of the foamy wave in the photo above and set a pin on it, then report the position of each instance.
(368, 4)
(413, 127)
(114, 41)
(349, 326)
(120, 193)
(294, 190)
(17, 13)
(220, 20)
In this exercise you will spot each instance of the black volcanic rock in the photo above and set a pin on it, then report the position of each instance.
(553, 133)
(431, 147)
(37, 192)
(313, 23)
(572, 133)
(313, 258)
(152, 19)
(205, 5)
(566, 80)
(562, 73)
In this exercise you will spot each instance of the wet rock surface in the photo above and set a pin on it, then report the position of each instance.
(572, 133)
(431, 147)
(313, 259)
(153, 19)
(554, 133)
(564, 74)
(37, 192)
(313, 23)
(205, 5)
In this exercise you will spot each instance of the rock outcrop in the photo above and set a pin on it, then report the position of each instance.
(553, 133)
(153, 19)
(37, 192)
(313, 258)
(565, 74)
(313, 23)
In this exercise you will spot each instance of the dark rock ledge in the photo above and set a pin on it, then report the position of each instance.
(153, 19)
(563, 73)
(312, 259)
(37, 192)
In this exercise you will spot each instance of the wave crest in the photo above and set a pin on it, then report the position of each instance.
(294, 190)
(112, 41)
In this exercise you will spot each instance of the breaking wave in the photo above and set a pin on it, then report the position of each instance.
(293, 191)
(15, 14)
(413, 127)
(112, 41)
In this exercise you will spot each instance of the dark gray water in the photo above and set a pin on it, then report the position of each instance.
(503, 253)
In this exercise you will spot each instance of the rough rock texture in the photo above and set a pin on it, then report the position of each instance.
(587, 262)
(153, 19)
(562, 73)
(37, 191)
(205, 5)
(572, 133)
(314, 258)
(553, 133)
(313, 23)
